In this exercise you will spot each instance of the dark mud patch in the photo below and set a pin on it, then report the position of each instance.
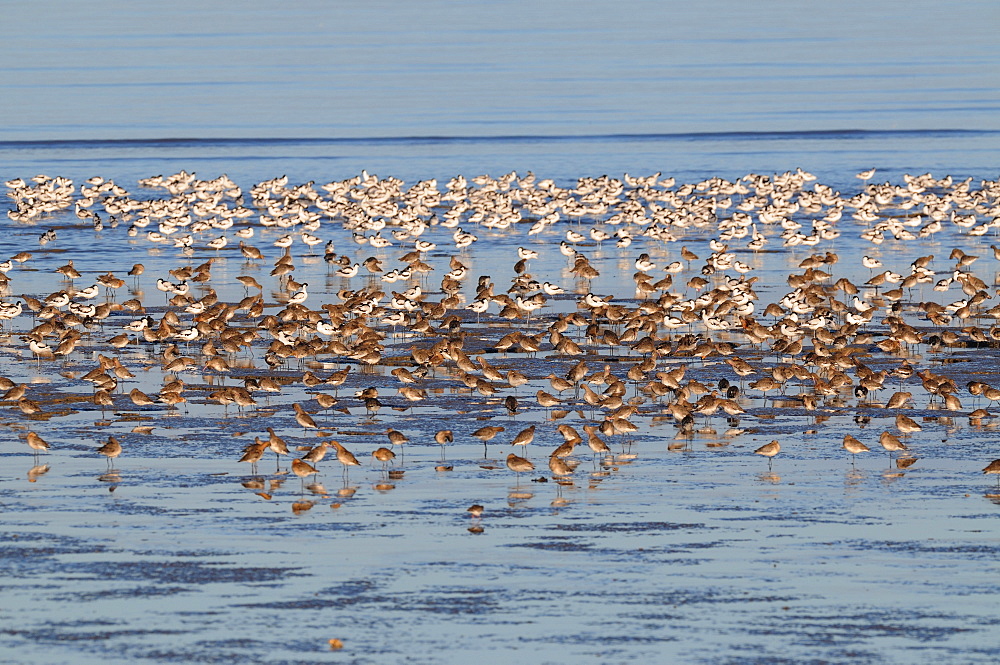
(557, 544)
(840, 630)
(628, 527)
(55, 635)
(179, 572)
(234, 652)
(121, 594)
(433, 600)
(986, 552)
(134, 508)
(28, 554)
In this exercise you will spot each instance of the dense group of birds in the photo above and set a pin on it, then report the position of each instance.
(406, 317)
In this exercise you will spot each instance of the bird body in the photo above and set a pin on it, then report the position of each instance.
(316, 453)
(558, 466)
(304, 419)
(524, 437)
(853, 446)
(396, 438)
(487, 433)
(111, 449)
(36, 442)
(907, 425)
(384, 455)
(345, 456)
(302, 469)
(994, 467)
(890, 442)
(769, 450)
(519, 464)
(254, 452)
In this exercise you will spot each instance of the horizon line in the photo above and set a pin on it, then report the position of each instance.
(499, 138)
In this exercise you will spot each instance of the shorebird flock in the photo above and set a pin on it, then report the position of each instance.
(305, 311)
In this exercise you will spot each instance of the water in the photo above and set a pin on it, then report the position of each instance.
(681, 547)
(458, 69)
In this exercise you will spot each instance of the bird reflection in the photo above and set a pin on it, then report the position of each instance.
(318, 489)
(36, 471)
(255, 483)
(769, 477)
(517, 496)
(891, 475)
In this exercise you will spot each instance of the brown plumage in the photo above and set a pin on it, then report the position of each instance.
(111, 449)
(769, 450)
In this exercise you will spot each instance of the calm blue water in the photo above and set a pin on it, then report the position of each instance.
(390, 69)
(693, 556)
(568, 89)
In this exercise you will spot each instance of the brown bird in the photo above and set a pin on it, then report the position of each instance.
(140, 398)
(404, 375)
(346, 458)
(769, 450)
(519, 465)
(384, 455)
(515, 379)
(15, 393)
(854, 446)
(443, 438)
(316, 453)
(111, 450)
(598, 445)
(898, 400)
(303, 418)
(487, 433)
(396, 438)
(524, 437)
(36, 443)
(891, 443)
(253, 453)
(278, 445)
(907, 425)
(412, 394)
(302, 469)
(559, 384)
(102, 398)
(558, 466)
(565, 449)
(994, 467)
(547, 400)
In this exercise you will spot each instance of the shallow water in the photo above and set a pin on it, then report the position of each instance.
(679, 543)
(682, 544)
